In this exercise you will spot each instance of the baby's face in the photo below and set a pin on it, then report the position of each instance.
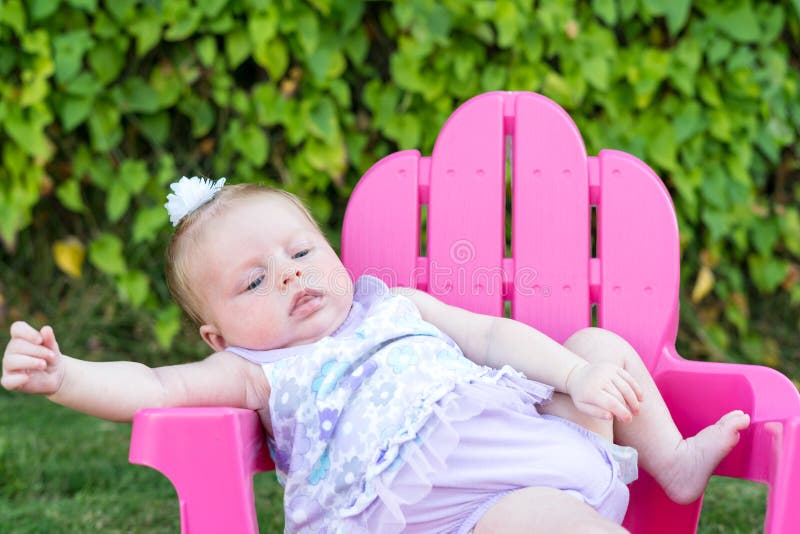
(267, 278)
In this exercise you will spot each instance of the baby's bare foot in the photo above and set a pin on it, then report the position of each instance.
(698, 456)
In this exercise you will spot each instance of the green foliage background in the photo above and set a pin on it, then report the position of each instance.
(102, 104)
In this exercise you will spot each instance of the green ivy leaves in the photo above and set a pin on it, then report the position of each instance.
(105, 103)
(106, 253)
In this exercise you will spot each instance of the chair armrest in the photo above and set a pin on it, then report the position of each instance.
(699, 393)
(210, 455)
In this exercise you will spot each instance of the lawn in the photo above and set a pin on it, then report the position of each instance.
(64, 472)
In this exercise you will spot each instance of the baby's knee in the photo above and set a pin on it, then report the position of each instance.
(600, 345)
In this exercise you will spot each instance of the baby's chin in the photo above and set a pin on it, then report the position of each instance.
(312, 335)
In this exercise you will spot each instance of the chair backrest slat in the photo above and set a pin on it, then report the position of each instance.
(380, 231)
(466, 235)
(551, 232)
(639, 250)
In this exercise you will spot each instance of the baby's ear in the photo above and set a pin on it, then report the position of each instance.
(212, 337)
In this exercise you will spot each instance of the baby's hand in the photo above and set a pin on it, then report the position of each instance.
(32, 362)
(604, 390)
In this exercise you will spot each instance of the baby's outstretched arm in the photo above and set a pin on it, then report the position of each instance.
(601, 390)
(33, 363)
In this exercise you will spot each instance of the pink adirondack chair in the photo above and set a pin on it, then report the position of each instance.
(552, 282)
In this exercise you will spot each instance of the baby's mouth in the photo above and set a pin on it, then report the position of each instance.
(305, 301)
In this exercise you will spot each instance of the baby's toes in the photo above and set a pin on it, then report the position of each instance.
(733, 422)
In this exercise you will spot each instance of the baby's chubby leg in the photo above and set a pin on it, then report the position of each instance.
(543, 510)
(681, 466)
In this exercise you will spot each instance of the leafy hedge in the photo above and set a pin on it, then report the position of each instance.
(104, 103)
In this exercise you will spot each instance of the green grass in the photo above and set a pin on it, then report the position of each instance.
(61, 471)
(733, 506)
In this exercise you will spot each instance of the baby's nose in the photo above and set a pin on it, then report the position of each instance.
(290, 275)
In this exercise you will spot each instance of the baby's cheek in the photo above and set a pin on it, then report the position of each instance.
(339, 282)
(264, 331)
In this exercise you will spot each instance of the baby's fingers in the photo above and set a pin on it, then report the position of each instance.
(613, 403)
(49, 338)
(12, 381)
(628, 394)
(22, 330)
(15, 363)
(26, 348)
(637, 389)
(595, 411)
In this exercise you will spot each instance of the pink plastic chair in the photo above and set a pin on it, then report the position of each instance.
(552, 282)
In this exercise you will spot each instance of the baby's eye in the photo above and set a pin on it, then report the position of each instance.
(255, 283)
(301, 253)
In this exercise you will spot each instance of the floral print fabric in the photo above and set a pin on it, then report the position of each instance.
(342, 408)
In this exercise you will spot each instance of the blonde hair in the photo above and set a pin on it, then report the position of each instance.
(186, 234)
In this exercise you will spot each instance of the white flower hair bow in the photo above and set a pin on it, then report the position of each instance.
(189, 194)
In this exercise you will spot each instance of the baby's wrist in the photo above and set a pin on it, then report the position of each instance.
(61, 378)
(571, 375)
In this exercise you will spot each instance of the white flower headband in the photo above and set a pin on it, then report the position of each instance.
(190, 194)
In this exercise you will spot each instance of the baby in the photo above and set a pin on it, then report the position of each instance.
(385, 408)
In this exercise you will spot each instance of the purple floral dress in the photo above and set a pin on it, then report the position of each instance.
(342, 408)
